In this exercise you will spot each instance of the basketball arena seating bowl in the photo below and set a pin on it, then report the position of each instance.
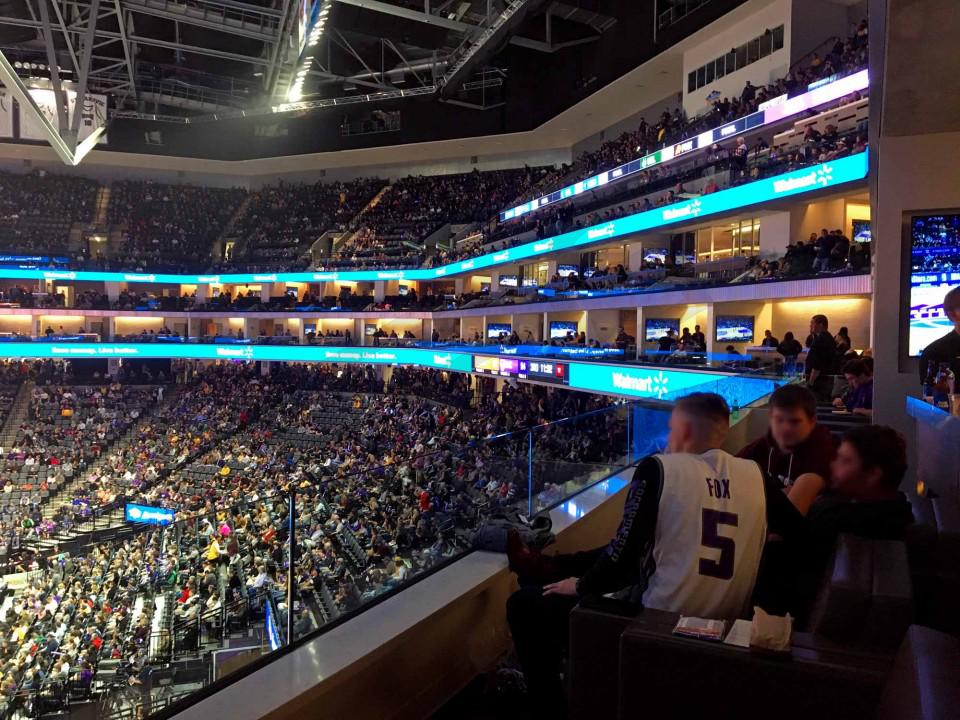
(844, 663)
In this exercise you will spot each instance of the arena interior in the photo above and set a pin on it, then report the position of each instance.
(473, 359)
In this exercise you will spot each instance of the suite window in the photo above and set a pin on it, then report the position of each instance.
(737, 59)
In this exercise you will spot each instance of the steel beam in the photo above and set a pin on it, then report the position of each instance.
(60, 98)
(27, 104)
(408, 14)
(85, 57)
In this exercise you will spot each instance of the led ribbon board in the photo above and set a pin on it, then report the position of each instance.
(816, 177)
(440, 359)
(765, 116)
(659, 384)
(147, 514)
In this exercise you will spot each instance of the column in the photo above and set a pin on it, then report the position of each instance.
(458, 285)
(494, 281)
(266, 292)
(641, 330)
(912, 157)
(379, 291)
(113, 291)
(710, 331)
(111, 328)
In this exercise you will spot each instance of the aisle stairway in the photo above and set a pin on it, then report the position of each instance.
(17, 415)
(346, 240)
(228, 235)
(114, 519)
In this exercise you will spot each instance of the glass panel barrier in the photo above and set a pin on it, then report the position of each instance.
(277, 536)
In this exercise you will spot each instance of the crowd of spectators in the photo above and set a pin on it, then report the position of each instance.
(384, 474)
(415, 206)
(169, 225)
(281, 223)
(38, 209)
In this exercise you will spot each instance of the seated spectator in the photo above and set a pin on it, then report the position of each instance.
(859, 396)
(862, 497)
(795, 445)
(654, 550)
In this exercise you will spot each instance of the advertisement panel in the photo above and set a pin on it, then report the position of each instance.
(399, 356)
(147, 514)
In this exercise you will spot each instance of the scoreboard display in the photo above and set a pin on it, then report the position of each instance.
(523, 369)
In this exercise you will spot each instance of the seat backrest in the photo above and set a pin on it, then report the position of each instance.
(843, 598)
(925, 681)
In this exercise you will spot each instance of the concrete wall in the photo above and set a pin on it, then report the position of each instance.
(759, 73)
(852, 313)
(813, 21)
(602, 325)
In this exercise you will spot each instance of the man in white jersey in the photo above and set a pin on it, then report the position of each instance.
(693, 530)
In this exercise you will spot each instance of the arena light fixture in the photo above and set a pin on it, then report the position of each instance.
(314, 35)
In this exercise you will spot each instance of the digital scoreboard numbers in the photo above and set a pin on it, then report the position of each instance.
(523, 369)
(545, 371)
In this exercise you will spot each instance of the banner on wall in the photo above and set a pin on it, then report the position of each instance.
(6, 114)
(93, 115)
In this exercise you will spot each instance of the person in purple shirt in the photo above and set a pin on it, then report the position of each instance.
(859, 397)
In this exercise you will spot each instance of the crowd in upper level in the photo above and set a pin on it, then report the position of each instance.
(376, 224)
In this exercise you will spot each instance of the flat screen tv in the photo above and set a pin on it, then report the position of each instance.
(861, 231)
(656, 328)
(934, 271)
(734, 328)
(508, 280)
(530, 282)
(560, 328)
(653, 255)
(369, 330)
(494, 329)
(566, 270)
(403, 289)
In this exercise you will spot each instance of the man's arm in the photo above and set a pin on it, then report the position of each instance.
(619, 565)
(783, 518)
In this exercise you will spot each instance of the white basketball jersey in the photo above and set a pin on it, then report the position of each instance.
(711, 527)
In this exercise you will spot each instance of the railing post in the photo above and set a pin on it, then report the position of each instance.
(292, 512)
(530, 473)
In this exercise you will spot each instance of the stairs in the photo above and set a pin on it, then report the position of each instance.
(17, 415)
(344, 241)
(115, 518)
(227, 236)
(101, 211)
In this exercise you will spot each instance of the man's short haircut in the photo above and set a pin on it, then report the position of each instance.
(951, 301)
(793, 397)
(705, 406)
(881, 447)
(821, 320)
(856, 367)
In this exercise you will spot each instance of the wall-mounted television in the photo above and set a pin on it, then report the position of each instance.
(656, 328)
(530, 282)
(653, 255)
(734, 328)
(934, 271)
(403, 289)
(508, 280)
(494, 329)
(369, 330)
(560, 329)
(566, 270)
(861, 231)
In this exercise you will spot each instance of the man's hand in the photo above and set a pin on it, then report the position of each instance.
(564, 587)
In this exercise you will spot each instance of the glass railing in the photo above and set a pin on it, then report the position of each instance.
(303, 546)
